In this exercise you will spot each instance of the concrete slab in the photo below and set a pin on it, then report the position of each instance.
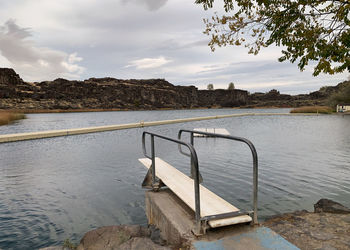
(258, 238)
(176, 220)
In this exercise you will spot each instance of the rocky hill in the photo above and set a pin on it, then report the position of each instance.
(273, 98)
(111, 93)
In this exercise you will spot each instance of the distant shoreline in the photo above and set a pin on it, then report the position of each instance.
(110, 94)
(40, 111)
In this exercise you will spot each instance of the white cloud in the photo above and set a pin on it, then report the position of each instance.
(74, 58)
(35, 63)
(110, 34)
(148, 63)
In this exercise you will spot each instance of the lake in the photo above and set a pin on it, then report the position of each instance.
(58, 188)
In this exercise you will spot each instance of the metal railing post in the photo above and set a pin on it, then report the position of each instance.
(192, 166)
(196, 192)
(153, 161)
(255, 185)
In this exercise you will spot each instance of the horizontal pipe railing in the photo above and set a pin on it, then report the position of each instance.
(77, 131)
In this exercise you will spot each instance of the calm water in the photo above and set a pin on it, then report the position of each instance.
(59, 188)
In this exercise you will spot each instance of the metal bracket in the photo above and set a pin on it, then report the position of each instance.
(147, 182)
(156, 186)
(200, 228)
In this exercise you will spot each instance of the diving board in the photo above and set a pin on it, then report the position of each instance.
(221, 131)
(183, 187)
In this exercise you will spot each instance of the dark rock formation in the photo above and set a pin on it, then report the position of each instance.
(123, 237)
(108, 93)
(222, 98)
(329, 206)
(8, 82)
(9, 77)
(111, 93)
(273, 98)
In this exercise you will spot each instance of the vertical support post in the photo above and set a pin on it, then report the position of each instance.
(192, 164)
(255, 186)
(197, 198)
(153, 161)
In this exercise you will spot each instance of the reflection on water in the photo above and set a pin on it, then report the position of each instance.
(59, 188)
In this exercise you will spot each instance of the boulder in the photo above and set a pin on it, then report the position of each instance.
(329, 206)
(119, 237)
(110, 237)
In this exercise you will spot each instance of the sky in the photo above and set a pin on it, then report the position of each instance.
(137, 39)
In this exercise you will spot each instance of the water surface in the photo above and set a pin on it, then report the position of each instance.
(58, 188)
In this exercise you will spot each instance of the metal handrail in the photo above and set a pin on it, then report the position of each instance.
(255, 161)
(194, 165)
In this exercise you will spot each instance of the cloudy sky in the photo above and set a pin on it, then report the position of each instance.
(79, 39)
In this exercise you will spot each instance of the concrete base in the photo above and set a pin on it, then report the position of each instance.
(175, 220)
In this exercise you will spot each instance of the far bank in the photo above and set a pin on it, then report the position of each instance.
(110, 94)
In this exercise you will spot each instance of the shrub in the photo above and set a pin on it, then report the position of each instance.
(8, 117)
(210, 86)
(313, 109)
(231, 86)
(342, 96)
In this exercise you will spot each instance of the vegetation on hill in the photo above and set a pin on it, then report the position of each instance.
(313, 109)
(342, 96)
(231, 86)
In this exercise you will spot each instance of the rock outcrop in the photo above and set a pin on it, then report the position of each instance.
(9, 77)
(329, 206)
(108, 93)
(274, 98)
(327, 228)
(123, 237)
(222, 98)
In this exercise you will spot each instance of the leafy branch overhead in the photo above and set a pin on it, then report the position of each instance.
(308, 30)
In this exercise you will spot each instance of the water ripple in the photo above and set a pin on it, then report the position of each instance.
(60, 188)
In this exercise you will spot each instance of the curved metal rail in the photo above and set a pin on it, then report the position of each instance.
(240, 139)
(194, 164)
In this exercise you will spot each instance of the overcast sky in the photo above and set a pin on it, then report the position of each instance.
(79, 39)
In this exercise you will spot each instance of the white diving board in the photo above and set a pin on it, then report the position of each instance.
(222, 131)
(183, 187)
